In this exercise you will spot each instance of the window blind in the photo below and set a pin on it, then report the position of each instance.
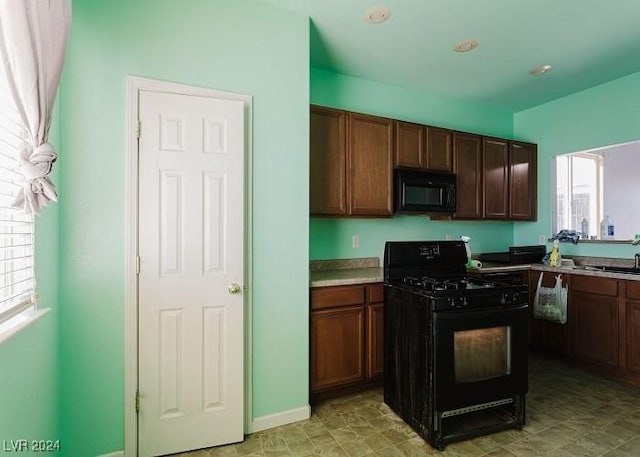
(17, 282)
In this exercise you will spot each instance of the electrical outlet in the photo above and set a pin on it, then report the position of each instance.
(542, 239)
(355, 241)
(448, 237)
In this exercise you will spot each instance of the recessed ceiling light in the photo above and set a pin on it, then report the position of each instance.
(377, 14)
(540, 70)
(465, 46)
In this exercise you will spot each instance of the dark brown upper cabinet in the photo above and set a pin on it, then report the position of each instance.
(495, 166)
(353, 155)
(351, 164)
(424, 147)
(328, 161)
(410, 145)
(439, 149)
(509, 185)
(467, 165)
(523, 181)
(369, 158)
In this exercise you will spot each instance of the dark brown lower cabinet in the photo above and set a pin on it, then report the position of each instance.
(603, 325)
(375, 341)
(346, 347)
(337, 356)
(632, 315)
(594, 319)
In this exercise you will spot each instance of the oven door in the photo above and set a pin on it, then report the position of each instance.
(480, 356)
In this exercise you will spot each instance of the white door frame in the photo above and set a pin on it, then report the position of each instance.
(134, 85)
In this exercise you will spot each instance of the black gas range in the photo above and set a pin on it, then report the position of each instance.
(456, 360)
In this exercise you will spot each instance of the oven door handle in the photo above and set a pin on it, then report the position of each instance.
(497, 312)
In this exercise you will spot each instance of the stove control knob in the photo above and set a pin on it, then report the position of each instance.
(503, 299)
(464, 301)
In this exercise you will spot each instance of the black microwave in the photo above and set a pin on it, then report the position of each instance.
(418, 191)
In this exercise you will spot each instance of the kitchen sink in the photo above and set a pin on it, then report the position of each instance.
(586, 267)
(631, 270)
(610, 269)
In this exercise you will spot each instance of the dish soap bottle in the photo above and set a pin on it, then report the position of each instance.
(555, 258)
(607, 230)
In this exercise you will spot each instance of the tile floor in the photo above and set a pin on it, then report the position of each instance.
(570, 412)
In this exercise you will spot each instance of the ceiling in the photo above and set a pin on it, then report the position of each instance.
(587, 42)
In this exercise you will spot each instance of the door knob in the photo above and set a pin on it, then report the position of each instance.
(234, 288)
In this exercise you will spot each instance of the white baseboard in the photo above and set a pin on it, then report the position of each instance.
(281, 418)
(113, 454)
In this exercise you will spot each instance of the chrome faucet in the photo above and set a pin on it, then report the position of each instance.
(636, 262)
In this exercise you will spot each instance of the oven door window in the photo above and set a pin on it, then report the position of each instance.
(482, 354)
(422, 195)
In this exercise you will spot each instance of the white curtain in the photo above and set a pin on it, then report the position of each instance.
(33, 38)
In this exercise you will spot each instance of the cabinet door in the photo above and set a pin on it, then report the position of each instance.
(327, 148)
(439, 150)
(467, 164)
(337, 347)
(632, 311)
(633, 335)
(523, 184)
(370, 165)
(410, 145)
(375, 340)
(496, 178)
(594, 327)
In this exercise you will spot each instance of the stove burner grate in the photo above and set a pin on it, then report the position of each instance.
(438, 284)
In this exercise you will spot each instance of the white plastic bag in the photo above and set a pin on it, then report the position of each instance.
(550, 303)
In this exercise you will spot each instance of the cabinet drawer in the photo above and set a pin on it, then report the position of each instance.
(593, 285)
(633, 289)
(337, 296)
(376, 293)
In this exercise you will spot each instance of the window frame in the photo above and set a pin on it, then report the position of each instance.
(18, 299)
(569, 188)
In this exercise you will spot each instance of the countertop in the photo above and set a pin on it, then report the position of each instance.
(346, 277)
(342, 272)
(563, 270)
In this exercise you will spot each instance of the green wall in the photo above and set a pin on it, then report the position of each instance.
(331, 238)
(28, 384)
(600, 116)
(234, 45)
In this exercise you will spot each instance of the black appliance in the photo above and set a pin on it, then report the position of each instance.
(456, 360)
(516, 255)
(419, 191)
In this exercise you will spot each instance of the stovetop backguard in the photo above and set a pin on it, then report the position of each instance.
(424, 258)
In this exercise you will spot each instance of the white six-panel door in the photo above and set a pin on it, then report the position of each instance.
(191, 232)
